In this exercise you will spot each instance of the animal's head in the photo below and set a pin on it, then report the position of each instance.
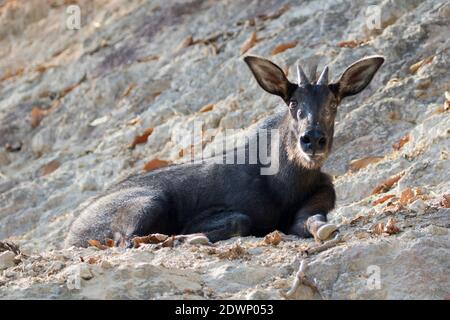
(312, 106)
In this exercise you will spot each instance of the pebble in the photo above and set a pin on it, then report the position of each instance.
(7, 260)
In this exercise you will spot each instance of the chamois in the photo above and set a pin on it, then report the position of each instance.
(225, 200)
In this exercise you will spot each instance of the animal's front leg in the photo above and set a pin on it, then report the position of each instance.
(311, 219)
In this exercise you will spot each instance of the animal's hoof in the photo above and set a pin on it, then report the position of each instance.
(325, 231)
(198, 239)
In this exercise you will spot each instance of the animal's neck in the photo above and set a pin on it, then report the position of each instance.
(292, 178)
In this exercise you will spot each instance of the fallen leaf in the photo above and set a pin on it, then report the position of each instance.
(387, 184)
(12, 73)
(359, 164)
(362, 235)
(351, 43)
(391, 208)
(186, 42)
(206, 108)
(232, 253)
(378, 228)
(403, 140)
(169, 242)
(416, 66)
(150, 239)
(382, 199)
(357, 219)
(92, 260)
(407, 196)
(97, 244)
(390, 227)
(284, 46)
(273, 238)
(155, 164)
(109, 242)
(249, 43)
(141, 138)
(274, 15)
(42, 68)
(128, 90)
(49, 167)
(133, 121)
(147, 59)
(445, 201)
(36, 116)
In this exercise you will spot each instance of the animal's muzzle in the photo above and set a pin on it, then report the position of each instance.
(313, 142)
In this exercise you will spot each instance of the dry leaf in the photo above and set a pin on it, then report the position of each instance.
(92, 260)
(378, 228)
(391, 208)
(249, 43)
(284, 46)
(186, 42)
(390, 227)
(206, 108)
(232, 253)
(351, 43)
(42, 68)
(273, 238)
(387, 184)
(416, 66)
(359, 164)
(141, 138)
(274, 15)
(49, 167)
(155, 164)
(128, 90)
(151, 238)
(407, 196)
(109, 242)
(357, 219)
(36, 117)
(97, 244)
(398, 145)
(169, 242)
(148, 58)
(445, 201)
(12, 73)
(382, 199)
(133, 121)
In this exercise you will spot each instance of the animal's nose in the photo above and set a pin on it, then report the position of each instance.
(313, 141)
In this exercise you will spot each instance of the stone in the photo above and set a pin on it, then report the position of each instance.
(7, 260)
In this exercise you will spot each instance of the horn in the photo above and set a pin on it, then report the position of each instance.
(323, 79)
(301, 76)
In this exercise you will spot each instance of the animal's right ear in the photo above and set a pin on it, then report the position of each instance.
(269, 76)
(357, 76)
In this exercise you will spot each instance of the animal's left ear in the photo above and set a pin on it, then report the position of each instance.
(357, 76)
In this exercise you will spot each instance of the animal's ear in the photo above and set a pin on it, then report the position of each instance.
(270, 76)
(357, 76)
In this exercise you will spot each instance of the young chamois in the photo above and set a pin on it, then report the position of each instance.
(226, 200)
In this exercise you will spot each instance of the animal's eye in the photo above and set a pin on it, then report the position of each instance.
(300, 114)
(293, 104)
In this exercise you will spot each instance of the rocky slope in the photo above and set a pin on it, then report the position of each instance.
(72, 102)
